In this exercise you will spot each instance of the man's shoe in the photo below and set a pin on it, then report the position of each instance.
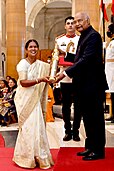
(93, 156)
(84, 153)
(112, 121)
(67, 137)
(109, 119)
(77, 138)
(4, 124)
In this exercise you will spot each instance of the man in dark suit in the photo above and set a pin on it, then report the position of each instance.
(89, 87)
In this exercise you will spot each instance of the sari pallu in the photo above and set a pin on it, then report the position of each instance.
(32, 144)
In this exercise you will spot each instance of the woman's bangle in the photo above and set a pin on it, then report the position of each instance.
(37, 81)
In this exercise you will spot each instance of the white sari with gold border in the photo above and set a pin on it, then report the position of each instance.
(32, 143)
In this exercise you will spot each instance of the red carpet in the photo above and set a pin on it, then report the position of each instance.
(6, 163)
(2, 142)
(67, 160)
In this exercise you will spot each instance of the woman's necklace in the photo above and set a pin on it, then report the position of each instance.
(30, 61)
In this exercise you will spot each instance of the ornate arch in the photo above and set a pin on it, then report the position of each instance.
(33, 9)
(52, 26)
(48, 35)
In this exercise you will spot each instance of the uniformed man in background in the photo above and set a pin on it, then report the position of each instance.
(68, 43)
(109, 67)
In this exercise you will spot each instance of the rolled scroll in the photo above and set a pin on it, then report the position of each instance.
(55, 59)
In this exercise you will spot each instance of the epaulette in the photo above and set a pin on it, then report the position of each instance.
(60, 36)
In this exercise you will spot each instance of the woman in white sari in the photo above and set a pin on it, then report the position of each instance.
(32, 146)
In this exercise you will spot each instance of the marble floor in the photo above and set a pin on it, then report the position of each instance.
(55, 132)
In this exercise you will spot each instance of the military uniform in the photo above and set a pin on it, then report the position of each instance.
(67, 43)
(109, 65)
(65, 39)
(109, 70)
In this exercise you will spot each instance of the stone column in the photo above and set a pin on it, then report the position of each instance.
(15, 34)
(91, 7)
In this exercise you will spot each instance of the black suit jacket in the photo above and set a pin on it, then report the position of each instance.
(88, 69)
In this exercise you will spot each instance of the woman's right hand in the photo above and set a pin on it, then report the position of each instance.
(43, 79)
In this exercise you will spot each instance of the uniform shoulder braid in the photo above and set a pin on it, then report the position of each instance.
(60, 36)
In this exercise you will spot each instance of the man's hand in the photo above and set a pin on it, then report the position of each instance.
(59, 76)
